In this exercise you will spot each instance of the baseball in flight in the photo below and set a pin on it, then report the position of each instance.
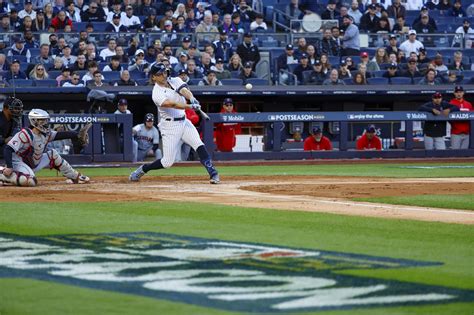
(248, 86)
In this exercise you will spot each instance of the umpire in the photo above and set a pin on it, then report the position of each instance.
(10, 120)
(435, 130)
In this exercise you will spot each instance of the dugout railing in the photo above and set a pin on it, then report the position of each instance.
(275, 122)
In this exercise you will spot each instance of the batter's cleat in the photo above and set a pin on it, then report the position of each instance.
(137, 174)
(81, 179)
(215, 179)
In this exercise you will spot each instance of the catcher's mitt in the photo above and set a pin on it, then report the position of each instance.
(83, 135)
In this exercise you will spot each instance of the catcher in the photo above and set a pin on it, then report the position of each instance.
(26, 153)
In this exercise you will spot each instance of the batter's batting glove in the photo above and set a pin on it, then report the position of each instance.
(195, 106)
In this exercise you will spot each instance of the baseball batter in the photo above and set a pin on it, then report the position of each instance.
(26, 153)
(170, 95)
(145, 139)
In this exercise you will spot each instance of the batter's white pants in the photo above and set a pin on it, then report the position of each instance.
(172, 133)
(460, 141)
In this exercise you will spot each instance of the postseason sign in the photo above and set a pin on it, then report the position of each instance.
(338, 116)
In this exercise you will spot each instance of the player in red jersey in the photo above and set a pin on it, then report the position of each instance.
(460, 129)
(369, 141)
(317, 142)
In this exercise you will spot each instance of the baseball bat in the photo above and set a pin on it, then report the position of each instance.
(203, 114)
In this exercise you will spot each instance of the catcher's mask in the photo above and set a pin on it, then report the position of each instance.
(14, 105)
(39, 119)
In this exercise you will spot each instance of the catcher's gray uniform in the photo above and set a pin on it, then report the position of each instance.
(143, 142)
(31, 155)
(173, 123)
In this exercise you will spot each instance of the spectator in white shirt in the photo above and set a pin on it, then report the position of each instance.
(355, 12)
(411, 44)
(91, 67)
(75, 81)
(110, 50)
(414, 5)
(129, 20)
(258, 24)
(68, 59)
(27, 11)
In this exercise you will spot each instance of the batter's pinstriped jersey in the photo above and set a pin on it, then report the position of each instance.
(160, 94)
(145, 137)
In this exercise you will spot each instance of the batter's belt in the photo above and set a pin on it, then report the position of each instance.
(176, 119)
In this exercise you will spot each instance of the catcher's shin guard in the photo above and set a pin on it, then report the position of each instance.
(73, 176)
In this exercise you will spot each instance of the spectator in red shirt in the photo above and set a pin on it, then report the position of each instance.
(60, 22)
(369, 141)
(317, 142)
(225, 132)
(460, 129)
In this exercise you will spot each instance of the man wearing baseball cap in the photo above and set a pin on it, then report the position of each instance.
(435, 130)
(226, 132)
(369, 140)
(146, 139)
(460, 129)
(411, 44)
(122, 107)
(317, 142)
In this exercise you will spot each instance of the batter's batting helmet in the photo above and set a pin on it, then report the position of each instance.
(158, 68)
(149, 117)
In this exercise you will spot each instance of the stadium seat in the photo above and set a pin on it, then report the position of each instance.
(34, 52)
(234, 74)
(142, 82)
(195, 81)
(306, 76)
(20, 58)
(231, 82)
(54, 74)
(378, 74)
(136, 75)
(377, 81)
(45, 83)
(334, 60)
(400, 80)
(349, 81)
(292, 67)
(21, 82)
(111, 75)
(256, 81)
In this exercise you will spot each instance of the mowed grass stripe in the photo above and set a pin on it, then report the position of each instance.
(462, 202)
(450, 244)
(375, 170)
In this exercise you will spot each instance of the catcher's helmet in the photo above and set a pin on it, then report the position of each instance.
(39, 119)
(15, 106)
(158, 68)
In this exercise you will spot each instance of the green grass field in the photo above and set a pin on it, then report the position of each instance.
(448, 244)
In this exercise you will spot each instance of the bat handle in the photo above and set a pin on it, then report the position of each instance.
(203, 114)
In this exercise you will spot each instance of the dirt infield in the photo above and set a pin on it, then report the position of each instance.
(298, 193)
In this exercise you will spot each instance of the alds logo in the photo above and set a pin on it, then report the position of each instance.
(213, 273)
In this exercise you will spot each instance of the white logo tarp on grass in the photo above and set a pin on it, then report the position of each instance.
(212, 273)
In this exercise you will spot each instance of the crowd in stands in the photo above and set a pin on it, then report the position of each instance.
(214, 43)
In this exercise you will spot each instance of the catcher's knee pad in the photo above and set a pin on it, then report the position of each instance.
(55, 160)
(167, 162)
(19, 179)
(26, 180)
